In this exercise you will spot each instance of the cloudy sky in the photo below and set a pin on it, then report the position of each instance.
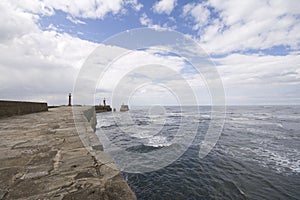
(254, 44)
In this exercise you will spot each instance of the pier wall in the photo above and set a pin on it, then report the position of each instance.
(10, 108)
(57, 155)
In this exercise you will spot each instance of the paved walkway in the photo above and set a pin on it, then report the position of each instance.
(42, 157)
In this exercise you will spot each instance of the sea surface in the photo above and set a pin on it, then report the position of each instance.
(257, 155)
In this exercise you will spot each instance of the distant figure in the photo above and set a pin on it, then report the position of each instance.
(70, 96)
(104, 103)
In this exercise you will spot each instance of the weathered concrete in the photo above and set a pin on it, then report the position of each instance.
(42, 157)
(10, 108)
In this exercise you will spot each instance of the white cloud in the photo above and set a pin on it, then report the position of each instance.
(97, 9)
(199, 13)
(40, 64)
(74, 20)
(88, 9)
(260, 79)
(134, 3)
(242, 25)
(35, 64)
(14, 23)
(146, 21)
(135, 59)
(138, 70)
(32, 6)
(164, 6)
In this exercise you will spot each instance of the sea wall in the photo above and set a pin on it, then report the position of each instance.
(56, 155)
(90, 115)
(10, 108)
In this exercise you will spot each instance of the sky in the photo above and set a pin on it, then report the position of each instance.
(254, 46)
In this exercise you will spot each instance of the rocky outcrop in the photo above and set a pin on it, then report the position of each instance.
(43, 157)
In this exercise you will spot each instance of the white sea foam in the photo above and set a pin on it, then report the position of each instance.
(206, 116)
(103, 123)
(142, 134)
(151, 140)
(275, 160)
(158, 141)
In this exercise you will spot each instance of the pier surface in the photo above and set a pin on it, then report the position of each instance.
(42, 157)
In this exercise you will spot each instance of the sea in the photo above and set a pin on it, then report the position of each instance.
(255, 154)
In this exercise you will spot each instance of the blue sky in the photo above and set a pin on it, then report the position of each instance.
(97, 30)
(254, 44)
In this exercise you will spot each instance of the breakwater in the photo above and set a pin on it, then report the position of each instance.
(43, 157)
(10, 108)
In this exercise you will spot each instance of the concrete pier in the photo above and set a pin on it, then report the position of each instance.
(10, 108)
(42, 157)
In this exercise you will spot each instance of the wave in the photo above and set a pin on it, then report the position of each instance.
(152, 140)
(158, 141)
(272, 159)
(142, 148)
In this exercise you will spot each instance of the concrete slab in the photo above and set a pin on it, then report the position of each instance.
(42, 157)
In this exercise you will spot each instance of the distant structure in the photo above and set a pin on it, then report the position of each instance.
(124, 108)
(104, 103)
(70, 98)
(103, 108)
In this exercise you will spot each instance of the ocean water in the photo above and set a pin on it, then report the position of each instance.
(257, 155)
